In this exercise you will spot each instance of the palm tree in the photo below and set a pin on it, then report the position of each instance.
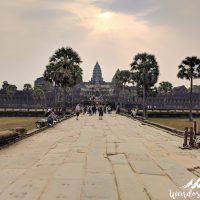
(63, 70)
(189, 69)
(145, 71)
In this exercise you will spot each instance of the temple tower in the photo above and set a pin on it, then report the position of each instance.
(97, 75)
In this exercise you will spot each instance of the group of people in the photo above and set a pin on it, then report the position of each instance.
(87, 109)
(92, 110)
(51, 116)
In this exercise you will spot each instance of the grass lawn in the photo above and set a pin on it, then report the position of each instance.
(7, 123)
(177, 123)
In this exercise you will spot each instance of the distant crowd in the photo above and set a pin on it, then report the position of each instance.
(93, 110)
(99, 110)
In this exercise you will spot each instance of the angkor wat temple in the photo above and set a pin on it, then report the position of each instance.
(97, 90)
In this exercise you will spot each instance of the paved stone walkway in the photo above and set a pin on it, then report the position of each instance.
(113, 159)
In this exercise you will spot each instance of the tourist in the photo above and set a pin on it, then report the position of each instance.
(90, 110)
(50, 120)
(109, 109)
(48, 112)
(100, 109)
(134, 112)
(94, 109)
(55, 117)
(77, 111)
(84, 110)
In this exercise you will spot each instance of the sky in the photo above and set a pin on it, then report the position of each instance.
(111, 32)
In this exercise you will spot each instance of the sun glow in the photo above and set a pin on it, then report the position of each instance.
(105, 15)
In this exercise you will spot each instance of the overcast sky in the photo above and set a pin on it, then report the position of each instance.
(108, 31)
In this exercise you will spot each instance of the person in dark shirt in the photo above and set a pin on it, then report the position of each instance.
(100, 109)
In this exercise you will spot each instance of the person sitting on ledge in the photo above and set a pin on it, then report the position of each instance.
(50, 119)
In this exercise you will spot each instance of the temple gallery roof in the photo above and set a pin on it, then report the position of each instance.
(97, 75)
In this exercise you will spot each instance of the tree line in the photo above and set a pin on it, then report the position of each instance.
(63, 70)
(144, 73)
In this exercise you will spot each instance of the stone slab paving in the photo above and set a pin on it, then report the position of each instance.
(112, 159)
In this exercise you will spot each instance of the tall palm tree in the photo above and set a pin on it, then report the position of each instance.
(189, 69)
(63, 70)
(145, 71)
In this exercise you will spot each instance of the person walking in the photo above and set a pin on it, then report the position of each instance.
(77, 111)
(109, 109)
(94, 109)
(84, 110)
(100, 109)
(90, 110)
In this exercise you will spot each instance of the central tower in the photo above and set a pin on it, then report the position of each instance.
(97, 75)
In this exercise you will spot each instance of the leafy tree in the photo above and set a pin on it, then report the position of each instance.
(124, 77)
(121, 78)
(28, 90)
(38, 94)
(189, 69)
(151, 91)
(9, 88)
(5, 85)
(63, 70)
(145, 71)
(27, 87)
(165, 88)
(12, 87)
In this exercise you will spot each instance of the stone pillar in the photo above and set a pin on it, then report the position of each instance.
(185, 137)
(191, 142)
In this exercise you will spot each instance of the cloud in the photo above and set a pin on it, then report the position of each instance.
(179, 14)
(127, 6)
(110, 31)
